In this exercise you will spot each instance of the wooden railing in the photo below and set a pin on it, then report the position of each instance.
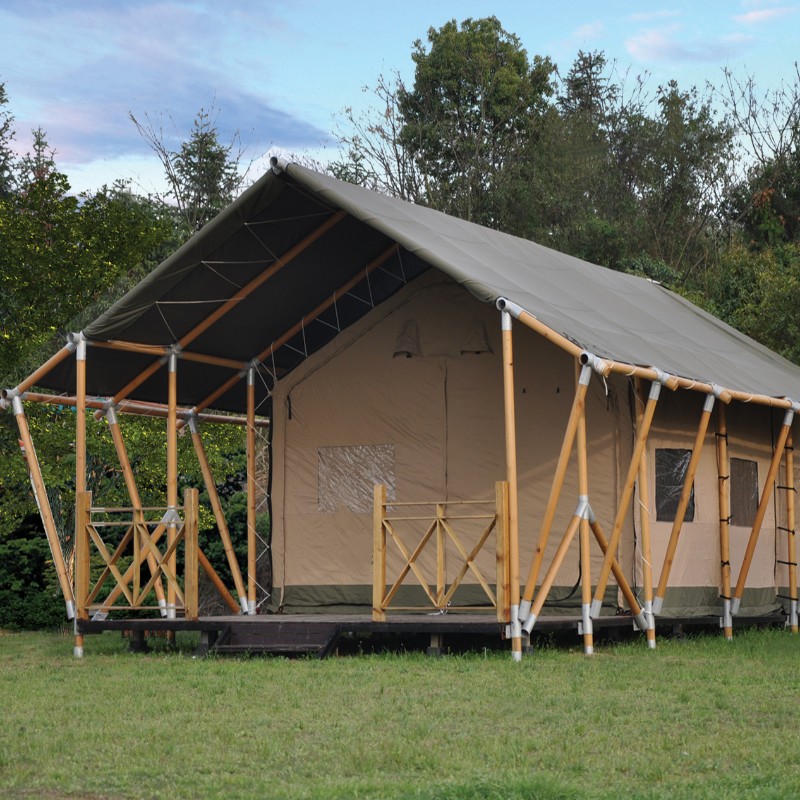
(137, 545)
(439, 527)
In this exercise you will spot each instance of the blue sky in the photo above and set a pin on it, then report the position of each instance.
(280, 71)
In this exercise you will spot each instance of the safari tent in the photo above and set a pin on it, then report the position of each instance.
(460, 421)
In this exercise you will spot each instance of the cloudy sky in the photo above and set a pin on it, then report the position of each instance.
(280, 71)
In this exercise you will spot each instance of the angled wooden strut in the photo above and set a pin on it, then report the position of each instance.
(576, 411)
(46, 513)
(219, 516)
(625, 497)
(136, 503)
(583, 520)
(766, 493)
(240, 295)
(683, 502)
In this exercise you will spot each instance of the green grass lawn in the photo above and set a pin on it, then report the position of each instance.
(697, 718)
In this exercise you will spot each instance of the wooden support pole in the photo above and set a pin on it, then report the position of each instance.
(501, 534)
(683, 503)
(138, 514)
(578, 405)
(625, 497)
(240, 295)
(583, 492)
(724, 492)
(219, 515)
(644, 522)
(46, 513)
(83, 504)
(777, 455)
(511, 477)
(191, 502)
(378, 553)
(172, 478)
(791, 542)
(252, 539)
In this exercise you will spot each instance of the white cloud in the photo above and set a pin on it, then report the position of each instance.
(589, 31)
(668, 45)
(759, 15)
(647, 16)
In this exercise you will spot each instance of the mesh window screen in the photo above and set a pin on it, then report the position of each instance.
(744, 491)
(671, 466)
(346, 477)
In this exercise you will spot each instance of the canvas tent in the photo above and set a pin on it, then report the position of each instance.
(368, 330)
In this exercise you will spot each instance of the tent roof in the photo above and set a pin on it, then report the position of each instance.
(301, 255)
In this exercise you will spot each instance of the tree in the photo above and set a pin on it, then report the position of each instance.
(6, 139)
(475, 101)
(450, 141)
(203, 175)
(764, 206)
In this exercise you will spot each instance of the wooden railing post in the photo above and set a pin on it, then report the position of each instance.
(440, 553)
(503, 566)
(191, 501)
(83, 507)
(378, 553)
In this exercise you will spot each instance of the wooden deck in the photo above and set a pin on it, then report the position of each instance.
(321, 634)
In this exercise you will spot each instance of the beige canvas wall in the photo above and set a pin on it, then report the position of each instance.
(430, 426)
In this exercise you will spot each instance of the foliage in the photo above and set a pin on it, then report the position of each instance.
(202, 174)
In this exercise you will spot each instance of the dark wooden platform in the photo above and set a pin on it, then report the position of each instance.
(321, 634)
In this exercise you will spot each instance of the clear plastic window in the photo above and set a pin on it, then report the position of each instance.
(744, 491)
(347, 475)
(671, 467)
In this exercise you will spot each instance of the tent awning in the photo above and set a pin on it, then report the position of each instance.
(301, 255)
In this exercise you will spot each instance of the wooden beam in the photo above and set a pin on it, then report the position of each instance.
(501, 537)
(164, 350)
(240, 295)
(143, 409)
(40, 372)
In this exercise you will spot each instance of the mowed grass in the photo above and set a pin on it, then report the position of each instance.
(697, 718)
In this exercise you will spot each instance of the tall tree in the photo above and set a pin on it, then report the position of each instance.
(475, 101)
(203, 174)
